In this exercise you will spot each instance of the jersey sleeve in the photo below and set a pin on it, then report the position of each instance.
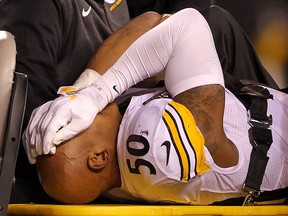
(159, 144)
(186, 144)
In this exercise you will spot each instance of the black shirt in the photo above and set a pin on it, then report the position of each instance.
(55, 40)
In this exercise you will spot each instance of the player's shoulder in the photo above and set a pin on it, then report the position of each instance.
(145, 111)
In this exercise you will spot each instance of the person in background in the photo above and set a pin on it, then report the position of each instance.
(55, 40)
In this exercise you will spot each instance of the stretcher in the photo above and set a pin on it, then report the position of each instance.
(13, 96)
(95, 209)
(142, 210)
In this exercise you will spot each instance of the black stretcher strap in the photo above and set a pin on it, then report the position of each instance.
(260, 137)
(258, 158)
(254, 98)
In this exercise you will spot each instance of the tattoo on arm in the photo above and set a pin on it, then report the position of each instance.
(206, 103)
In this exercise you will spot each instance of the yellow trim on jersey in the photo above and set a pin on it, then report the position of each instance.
(195, 137)
(179, 146)
(192, 135)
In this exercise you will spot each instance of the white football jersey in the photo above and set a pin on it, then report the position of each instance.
(162, 157)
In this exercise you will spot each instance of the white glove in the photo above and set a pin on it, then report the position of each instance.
(33, 147)
(86, 79)
(61, 119)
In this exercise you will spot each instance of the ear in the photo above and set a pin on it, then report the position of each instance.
(98, 160)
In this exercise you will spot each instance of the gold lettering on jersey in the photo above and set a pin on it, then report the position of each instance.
(115, 5)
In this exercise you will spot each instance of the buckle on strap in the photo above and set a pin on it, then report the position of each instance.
(259, 120)
(260, 137)
(249, 199)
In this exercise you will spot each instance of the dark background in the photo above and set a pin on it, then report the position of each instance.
(266, 23)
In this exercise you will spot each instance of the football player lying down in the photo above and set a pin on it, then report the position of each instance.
(187, 143)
